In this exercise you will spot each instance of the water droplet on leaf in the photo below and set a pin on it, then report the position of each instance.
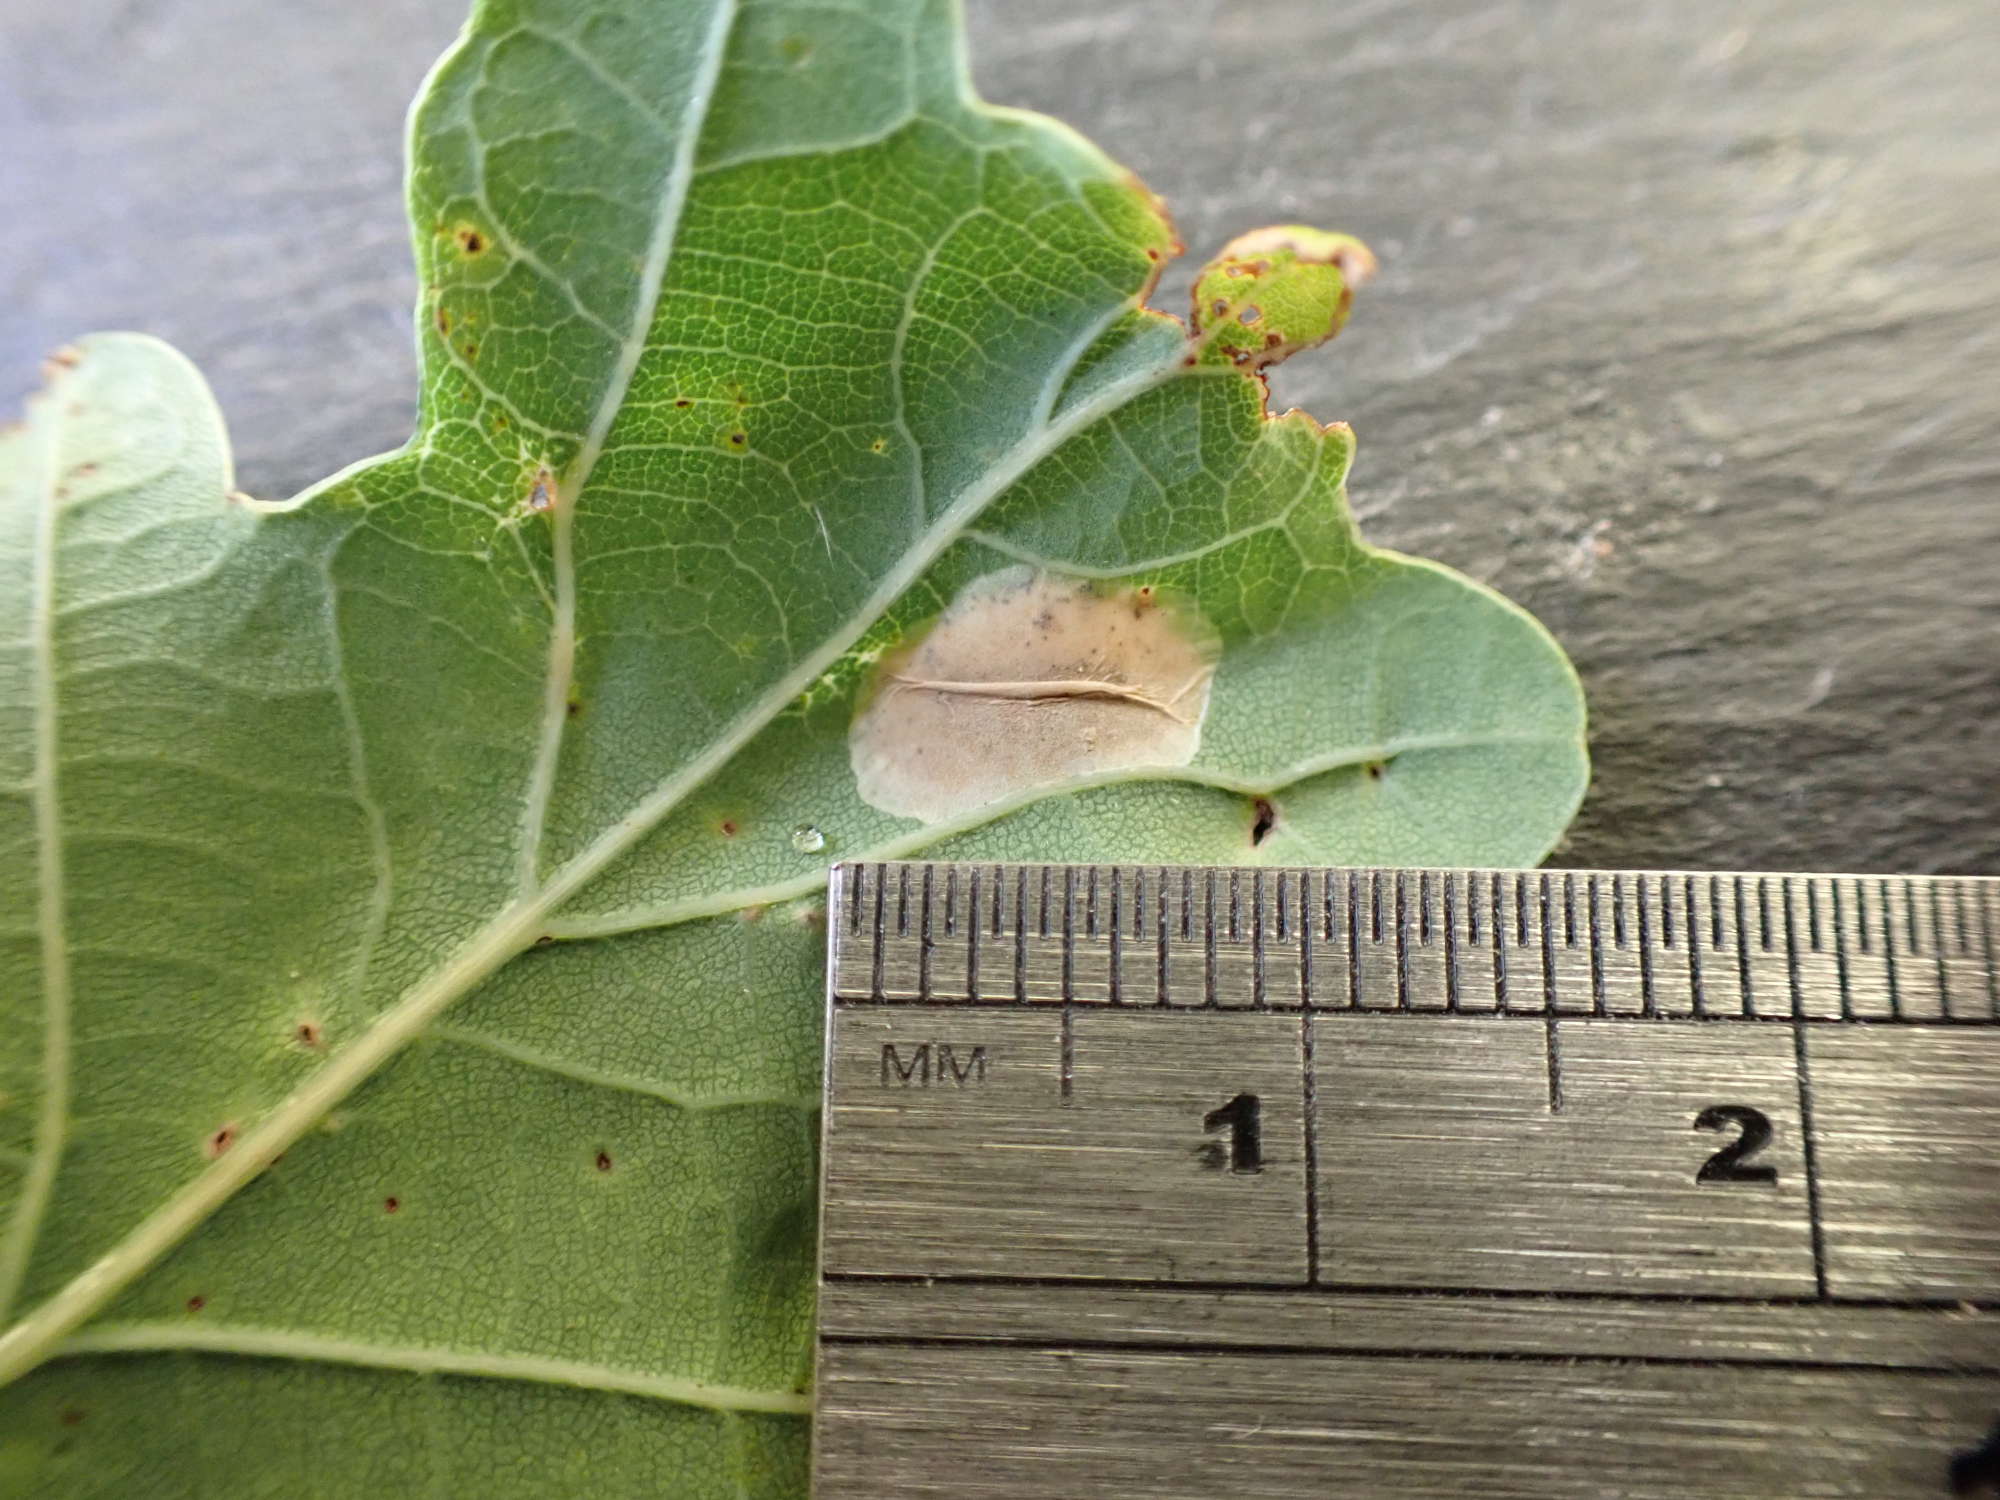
(808, 839)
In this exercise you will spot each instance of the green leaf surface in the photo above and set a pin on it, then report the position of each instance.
(409, 1024)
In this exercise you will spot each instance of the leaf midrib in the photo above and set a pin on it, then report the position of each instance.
(632, 348)
(281, 1343)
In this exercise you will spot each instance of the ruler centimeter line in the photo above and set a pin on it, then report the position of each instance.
(1090, 1129)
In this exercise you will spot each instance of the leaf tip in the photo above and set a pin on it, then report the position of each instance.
(1272, 292)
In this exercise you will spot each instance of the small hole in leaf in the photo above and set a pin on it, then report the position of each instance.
(604, 1161)
(196, 1303)
(1249, 315)
(1264, 819)
(390, 1205)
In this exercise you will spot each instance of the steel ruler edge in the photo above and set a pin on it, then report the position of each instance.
(1144, 1180)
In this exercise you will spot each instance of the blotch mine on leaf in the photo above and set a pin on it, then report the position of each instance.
(1273, 292)
(1029, 679)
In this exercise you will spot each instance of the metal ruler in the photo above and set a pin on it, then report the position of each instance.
(1203, 1183)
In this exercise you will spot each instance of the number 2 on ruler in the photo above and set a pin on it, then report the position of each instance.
(1732, 1162)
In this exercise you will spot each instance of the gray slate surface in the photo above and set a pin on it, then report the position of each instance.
(1688, 336)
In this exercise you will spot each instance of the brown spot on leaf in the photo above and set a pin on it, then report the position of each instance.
(72, 1416)
(219, 1141)
(684, 402)
(1027, 680)
(196, 1303)
(604, 1161)
(470, 240)
(728, 828)
(443, 323)
(1376, 769)
(308, 1034)
(390, 1205)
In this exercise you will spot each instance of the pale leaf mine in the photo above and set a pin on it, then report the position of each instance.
(1030, 679)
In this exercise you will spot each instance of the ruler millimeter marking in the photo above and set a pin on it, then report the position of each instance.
(1701, 945)
(1161, 1181)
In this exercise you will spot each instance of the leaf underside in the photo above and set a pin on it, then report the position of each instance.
(409, 1034)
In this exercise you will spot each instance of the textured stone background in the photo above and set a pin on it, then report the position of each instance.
(1688, 336)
